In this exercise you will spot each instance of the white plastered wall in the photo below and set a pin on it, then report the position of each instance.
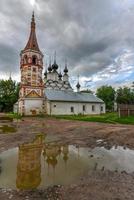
(33, 106)
(64, 108)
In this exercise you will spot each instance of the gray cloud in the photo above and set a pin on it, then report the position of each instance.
(8, 56)
(91, 34)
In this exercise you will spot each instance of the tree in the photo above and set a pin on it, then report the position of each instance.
(133, 87)
(125, 96)
(9, 92)
(107, 94)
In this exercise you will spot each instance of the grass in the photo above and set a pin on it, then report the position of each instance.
(104, 118)
(14, 115)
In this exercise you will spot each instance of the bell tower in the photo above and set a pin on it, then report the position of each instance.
(31, 66)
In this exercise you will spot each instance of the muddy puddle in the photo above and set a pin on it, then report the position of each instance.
(4, 129)
(40, 164)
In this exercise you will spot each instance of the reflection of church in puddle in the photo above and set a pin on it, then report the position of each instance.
(29, 161)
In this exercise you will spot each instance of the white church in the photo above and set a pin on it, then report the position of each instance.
(53, 94)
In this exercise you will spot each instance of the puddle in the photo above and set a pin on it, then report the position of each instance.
(5, 119)
(40, 164)
(7, 129)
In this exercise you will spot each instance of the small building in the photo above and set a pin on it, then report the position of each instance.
(53, 94)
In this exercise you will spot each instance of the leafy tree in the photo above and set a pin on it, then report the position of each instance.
(125, 96)
(107, 94)
(9, 92)
(133, 86)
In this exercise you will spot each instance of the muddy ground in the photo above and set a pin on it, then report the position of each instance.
(96, 185)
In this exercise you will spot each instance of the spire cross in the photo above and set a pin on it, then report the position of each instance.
(55, 57)
(49, 60)
(33, 16)
(65, 62)
(78, 85)
(33, 21)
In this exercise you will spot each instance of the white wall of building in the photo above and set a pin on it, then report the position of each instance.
(32, 106)
(64, 108)
(20, 107)
(15, 107)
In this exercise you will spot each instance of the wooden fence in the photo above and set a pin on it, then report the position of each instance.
(125, 110)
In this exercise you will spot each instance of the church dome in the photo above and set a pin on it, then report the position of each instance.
(60, 75)
(49, 68)
(55, 66)
(78, 85)
(65, 70)
(45, 74)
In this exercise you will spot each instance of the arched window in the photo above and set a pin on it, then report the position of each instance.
(34, 60)
(25, 59)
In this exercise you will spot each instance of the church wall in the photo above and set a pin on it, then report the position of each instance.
(70, 108)
(21, 107)
(33, 106)
(48, 105)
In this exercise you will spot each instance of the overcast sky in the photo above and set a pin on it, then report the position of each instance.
(96, 37)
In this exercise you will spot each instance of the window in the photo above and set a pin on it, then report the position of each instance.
(72, 109)
(101, 108)
(84, 108)
(25, 59)
(34, 60)
(34, 69)
(93, 108)
(54, 106)
(34, 77)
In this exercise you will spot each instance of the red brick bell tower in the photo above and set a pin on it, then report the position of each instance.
(31, 66)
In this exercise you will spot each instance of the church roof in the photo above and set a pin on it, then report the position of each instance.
(32, 42)
(70, 96)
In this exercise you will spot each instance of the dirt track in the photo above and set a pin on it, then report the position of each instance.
(95, 185)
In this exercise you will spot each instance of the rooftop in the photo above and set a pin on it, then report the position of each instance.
(61, 95)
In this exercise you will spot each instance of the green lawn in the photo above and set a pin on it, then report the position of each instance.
(104, 118)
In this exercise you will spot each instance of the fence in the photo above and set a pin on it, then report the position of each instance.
(125, 110)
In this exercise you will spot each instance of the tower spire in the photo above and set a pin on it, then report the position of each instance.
(33, 21)
(49, 60)
(55, 57)
(66, 69)
(49, 67)
(78, 85)
(32, 42)
(66, 62)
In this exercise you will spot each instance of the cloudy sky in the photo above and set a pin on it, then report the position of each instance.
(96, 37)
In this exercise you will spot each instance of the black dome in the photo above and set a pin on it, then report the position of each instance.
(60, 75)
(55, 66)
(65, 70)
(78, 85)
(45, 74)
(49, 68)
